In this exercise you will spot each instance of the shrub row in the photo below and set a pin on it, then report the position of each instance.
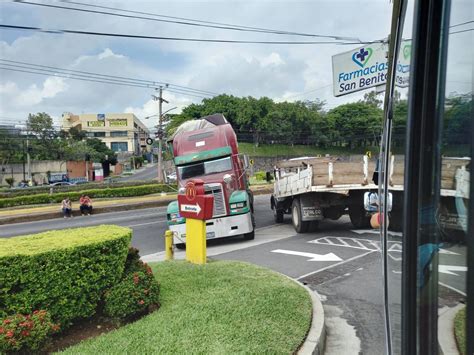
(64, 272)
(93, 193)
(7, 193)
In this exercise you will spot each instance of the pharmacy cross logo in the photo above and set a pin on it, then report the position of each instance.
(407, 51)
(362, 56)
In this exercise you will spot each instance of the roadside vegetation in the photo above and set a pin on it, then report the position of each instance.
(223, 307)
(285, 151)
(55, 279)
(7, 192)
(104, 192)
(460, 330)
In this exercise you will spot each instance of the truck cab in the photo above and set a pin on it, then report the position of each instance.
(207, 149)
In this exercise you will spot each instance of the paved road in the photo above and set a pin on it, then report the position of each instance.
(342, 264)
(148, 173)
(345, 267)
(148, 224)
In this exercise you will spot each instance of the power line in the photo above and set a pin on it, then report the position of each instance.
(183, 21)
(153, 83)
(182, 39)
(461, 24)
(308, 92)
(91, 79)
(461, 31)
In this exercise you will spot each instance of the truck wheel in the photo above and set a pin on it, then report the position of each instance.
(358, 216)
(296, 217)
(250, 235)
(278, 215)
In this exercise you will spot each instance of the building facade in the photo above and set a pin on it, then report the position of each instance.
(121, 132)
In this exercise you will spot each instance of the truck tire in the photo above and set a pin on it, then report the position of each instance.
(251, 235)
(296, 217)
(358, 216)
(278, 215)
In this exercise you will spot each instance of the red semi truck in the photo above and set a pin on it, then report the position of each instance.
(207, 149)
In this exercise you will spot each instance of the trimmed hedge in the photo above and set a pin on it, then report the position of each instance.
(93, 193)
(64, 271)
(8, 193)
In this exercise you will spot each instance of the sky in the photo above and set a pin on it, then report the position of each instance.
(281, 72)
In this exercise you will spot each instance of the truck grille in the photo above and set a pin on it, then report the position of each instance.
(219, 201)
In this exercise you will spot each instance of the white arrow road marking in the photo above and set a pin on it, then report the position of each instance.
(191, 208)
(313, 257)
(448, 269)
(375, 231)
(444, 251)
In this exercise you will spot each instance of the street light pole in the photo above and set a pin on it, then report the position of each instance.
(28, 159)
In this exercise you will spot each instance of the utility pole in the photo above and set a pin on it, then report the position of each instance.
(28, 160)
(160, 100)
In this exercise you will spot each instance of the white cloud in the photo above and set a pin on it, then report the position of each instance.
(276, 71)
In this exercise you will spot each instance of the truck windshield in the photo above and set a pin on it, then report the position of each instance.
(205, 168)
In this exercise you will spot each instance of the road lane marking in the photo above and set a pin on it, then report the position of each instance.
(312, 256)
(448, 252)
(452, 288)
(375, 231)
(144, 224)
(448, 269)
(334, 265)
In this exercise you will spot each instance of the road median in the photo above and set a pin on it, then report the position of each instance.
(51, 211)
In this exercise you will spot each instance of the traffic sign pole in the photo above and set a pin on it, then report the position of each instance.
(196, 207)
(196, 241)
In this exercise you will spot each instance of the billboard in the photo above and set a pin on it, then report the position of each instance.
(367, 66)
(359, 69)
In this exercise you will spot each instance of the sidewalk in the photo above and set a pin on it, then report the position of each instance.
(50, 211)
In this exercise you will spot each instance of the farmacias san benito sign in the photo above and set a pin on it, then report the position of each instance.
(366, 67)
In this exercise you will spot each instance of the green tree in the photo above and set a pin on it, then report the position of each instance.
(101, 151)
(372, 98)
(356, 124)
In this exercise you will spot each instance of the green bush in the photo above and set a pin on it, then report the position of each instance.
(26, 332)
(45, 189)
(94, 193)
(135, 293)
(260, 175)
(64, 271)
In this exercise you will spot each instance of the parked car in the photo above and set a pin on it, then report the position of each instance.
(171, 177)
(62, 183)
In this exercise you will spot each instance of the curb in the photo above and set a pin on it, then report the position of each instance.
(97, 210)
(446, 338)
(316, 338)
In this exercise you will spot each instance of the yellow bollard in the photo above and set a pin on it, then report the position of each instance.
(169, 245)
(196, 241)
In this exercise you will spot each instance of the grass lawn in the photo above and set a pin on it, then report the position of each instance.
(460, 330)
(282, 150)
(224, 307)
